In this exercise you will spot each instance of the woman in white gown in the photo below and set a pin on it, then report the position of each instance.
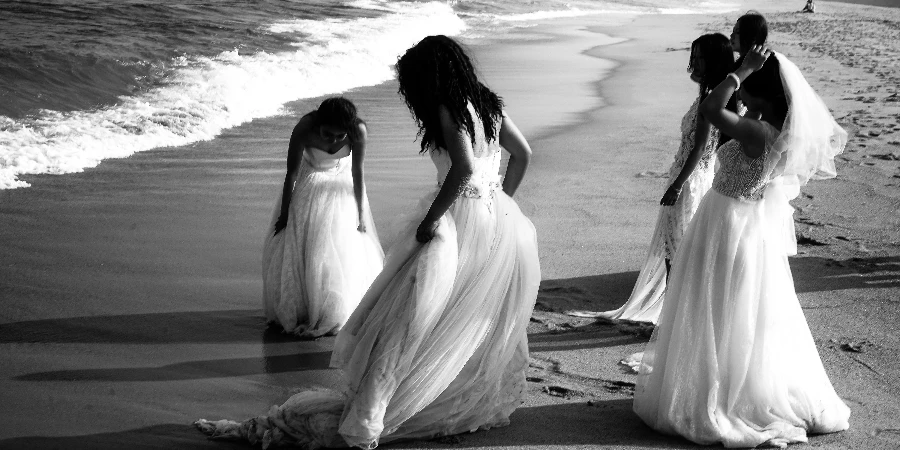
(321, 252)
(691, 174)
(438, 344)
(732, 359)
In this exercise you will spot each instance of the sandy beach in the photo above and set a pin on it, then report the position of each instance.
(131, 291)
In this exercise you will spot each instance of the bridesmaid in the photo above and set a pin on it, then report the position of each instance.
(438, 345)
(322, 251)
(732, 360)
(691, 174)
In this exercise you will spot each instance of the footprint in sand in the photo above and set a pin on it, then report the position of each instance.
(652, 174)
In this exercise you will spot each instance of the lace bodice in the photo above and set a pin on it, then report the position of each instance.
(486, 167)
(323, 161)
(740, 176)
(688, 137)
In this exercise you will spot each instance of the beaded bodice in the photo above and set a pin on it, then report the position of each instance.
(740, 176)
(688, 137)
(486, 166)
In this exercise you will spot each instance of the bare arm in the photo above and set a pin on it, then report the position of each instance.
(749, 132)
(512, 140)
(358, 152)
(701, 139)
(459, 148)
(295, 152)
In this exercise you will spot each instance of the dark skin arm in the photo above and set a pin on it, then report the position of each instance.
(295, 152)
(701, 138)
(512, 140)
(358, 153)
(459, 148)
(749, 132)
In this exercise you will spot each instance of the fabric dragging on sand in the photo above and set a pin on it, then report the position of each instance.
(438, 345)
(732, 360)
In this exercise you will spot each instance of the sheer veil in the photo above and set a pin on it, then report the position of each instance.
(810, 139)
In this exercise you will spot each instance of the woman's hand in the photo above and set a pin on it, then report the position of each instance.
(671, 196)
(280, 224)
(425, 232)
(756, 57)
(362, 227)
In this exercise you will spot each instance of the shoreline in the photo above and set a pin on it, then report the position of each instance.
(135, 306)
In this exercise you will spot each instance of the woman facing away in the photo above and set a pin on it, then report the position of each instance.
(322, 251)
(691, 174)
(438, 344)
(751, 29)
(732, 359)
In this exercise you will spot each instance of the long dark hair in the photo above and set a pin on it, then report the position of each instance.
(341, 113)
(718, 58)
(752, 30)
(766, 84)
(437, 71)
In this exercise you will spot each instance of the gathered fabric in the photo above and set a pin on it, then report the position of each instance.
(317, 269)
(438, 344)
(732, 360)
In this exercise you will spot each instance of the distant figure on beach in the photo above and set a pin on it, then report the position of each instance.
(732, 360)
(810, 7)
(438, 345)
(691, 173)
(321, 251)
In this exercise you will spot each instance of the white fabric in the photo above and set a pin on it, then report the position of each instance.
(732, 359)
(438, 344)
(809, 141)
(645, 301)
(317, 269)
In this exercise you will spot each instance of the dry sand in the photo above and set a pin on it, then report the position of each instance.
(130, 292)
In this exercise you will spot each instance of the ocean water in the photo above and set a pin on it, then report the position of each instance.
(86, 80)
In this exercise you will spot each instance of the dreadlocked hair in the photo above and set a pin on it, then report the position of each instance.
(437, 71)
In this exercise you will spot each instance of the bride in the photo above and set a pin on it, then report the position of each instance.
(732, 359)
(438, 344)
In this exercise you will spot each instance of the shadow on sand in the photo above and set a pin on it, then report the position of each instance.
(811, 274)
(816, 274)
(241, 325)
(609, 422)
(193, 370)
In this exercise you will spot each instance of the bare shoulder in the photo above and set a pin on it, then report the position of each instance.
(305, 123)
(362, 131)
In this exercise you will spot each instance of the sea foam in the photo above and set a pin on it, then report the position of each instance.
(202, 96)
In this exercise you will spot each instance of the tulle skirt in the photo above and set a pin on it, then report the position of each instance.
(438, 344)
(732, 359)
(317, 269)
(646, 299)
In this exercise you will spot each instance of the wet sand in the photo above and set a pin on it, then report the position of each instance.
(131, 292)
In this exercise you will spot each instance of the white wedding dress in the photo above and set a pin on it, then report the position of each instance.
(732, 359)
(646, 298)
(317, 269)
(438, 344)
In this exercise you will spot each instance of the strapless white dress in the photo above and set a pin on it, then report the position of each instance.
(732, 360)
(645, 301)
(317, 269)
